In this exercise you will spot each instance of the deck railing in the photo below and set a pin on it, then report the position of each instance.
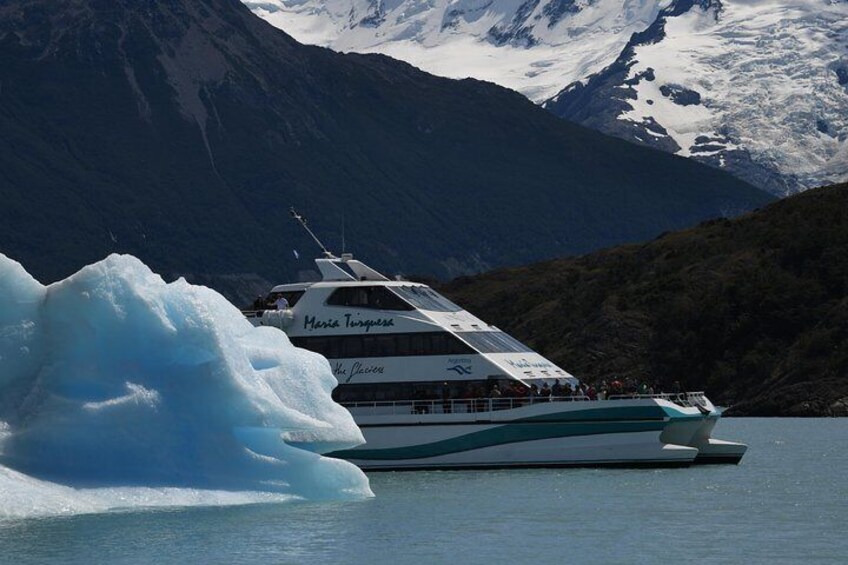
(477, 405)
(281, 319)
(692, 399)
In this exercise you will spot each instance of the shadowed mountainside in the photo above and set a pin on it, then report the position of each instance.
(754, 310)
(181, 131)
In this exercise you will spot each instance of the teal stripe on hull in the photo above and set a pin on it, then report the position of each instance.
(652, 412)
(500, 435)
(615, 413)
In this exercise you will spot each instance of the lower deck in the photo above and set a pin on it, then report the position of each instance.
(637, 431)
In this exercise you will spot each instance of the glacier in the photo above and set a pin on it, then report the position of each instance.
(765, 84)
(771, 75)
(530, 46)
(120, 390)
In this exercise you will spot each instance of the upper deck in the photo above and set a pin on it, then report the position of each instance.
(376, 330)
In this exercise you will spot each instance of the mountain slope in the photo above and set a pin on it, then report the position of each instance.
(182, 132)
(533, 46)
(752, 310)
(760, 89)
(756, 87)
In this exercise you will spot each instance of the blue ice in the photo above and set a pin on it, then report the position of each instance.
(116, 384)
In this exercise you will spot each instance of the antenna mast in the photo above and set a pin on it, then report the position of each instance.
(302, 221)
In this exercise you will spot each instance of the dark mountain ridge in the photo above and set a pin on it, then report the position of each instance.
(182, 131)
(754, 310)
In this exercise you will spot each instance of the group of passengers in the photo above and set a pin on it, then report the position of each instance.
(615, 388)
(476, 398)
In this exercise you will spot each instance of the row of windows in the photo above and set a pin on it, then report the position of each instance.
(400, 298)
(392, 298)
(408, 344)
(384, 345)
(379, 392)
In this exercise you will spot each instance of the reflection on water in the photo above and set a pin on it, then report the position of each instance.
(787, 502)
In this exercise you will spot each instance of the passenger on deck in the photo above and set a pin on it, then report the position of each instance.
(446, 399)
(259, 303)
(678, 390)
(546, 391)
(281, 303)
(420, 404)
(466, 395)
(556, 390)
(616, 387)
(481, 402)
(517, 390)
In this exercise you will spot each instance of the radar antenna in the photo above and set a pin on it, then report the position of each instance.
(302, 221)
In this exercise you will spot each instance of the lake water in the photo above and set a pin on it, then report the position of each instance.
(787, 502)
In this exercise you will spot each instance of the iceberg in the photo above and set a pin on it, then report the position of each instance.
(113, 380)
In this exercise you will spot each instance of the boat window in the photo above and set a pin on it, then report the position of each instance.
(328, 347)
(351, 347)
(419, 344)
(404, 344)
(439, 344)
(376, 297)
(425, 298)
(493, 342)
(384, 345)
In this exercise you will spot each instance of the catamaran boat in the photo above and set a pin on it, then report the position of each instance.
(433, 387)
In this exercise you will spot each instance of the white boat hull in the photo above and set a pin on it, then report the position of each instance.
(634, 433)
(633, 449)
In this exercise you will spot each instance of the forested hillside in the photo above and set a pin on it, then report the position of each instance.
(752, 310)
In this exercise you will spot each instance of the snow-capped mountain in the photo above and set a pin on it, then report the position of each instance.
(533, 46)
(758, 87)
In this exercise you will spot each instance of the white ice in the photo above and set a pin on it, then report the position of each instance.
(120, 390)
(763, 68)
(451, 37)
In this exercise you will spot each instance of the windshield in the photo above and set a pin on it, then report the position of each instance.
(493, 342)
(425, 298)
